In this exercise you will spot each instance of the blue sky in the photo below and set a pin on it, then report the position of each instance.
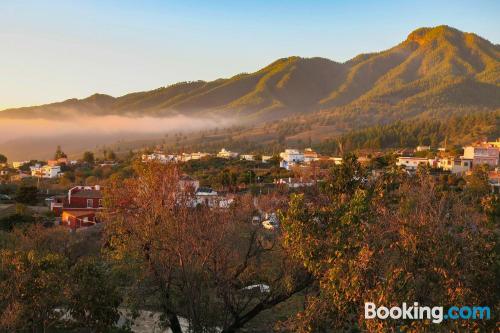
(54, 50)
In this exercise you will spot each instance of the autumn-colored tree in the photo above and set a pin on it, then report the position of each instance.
(396, 240)
(193, 260)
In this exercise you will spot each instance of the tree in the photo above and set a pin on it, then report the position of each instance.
(27, 195)
(3, 159)
(88, 157)
(19, 219)
(59, 153)
(32, 289)
(398, 240)
(94, 298)
(46, 273)
(110, 155)
(198, 261)
(477, 183)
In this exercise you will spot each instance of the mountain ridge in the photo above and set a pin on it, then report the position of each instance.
(432, 68)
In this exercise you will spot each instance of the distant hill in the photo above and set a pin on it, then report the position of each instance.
(433, 68)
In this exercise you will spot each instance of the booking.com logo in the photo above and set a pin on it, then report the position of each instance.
(435, 313)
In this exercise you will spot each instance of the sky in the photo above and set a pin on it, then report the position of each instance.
(55, 50)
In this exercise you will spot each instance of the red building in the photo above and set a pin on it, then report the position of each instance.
(78, 218)
(79, 207)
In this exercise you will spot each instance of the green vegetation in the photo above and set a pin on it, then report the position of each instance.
(88, 157)
(27, 195)
(59, 153)
(45, 273)
(456, 130)
(224, 174)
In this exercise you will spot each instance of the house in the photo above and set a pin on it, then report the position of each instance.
(191, 156)
(494, 180)
(271, 221)
(455, 165)
(209, 197)
(336, 160)
(266, 158)
(199, 155)
(158, 157)
(17, 165)
(80, 206)
(482, 153)
(184, 157)
(294, 182)
(247, 157)
(412, 163)
(78, 218)
(59, 161)
(310, 155)
(495, 144)
(291, 157)
(227, 154)
(423, 148)
(45, 171)
(205, 195)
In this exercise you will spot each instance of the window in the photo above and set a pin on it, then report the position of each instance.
(90, 203)
(100, 202)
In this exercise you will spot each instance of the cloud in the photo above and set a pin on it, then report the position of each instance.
(11, 129)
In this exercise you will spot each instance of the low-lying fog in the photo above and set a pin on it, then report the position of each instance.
(22, 139)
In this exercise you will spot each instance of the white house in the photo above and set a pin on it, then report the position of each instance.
(482, 153)
(291, 157)
(207, 196)
(227, 154)
(455, 165)
(310, 155)
(158, 157)
(294, 182)
(247, 157)
(423, 148)
(412, 163)
(192, 156)
(45, 171)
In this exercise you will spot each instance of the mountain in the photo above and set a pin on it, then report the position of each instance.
(433, 68)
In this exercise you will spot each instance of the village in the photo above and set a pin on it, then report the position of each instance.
(70, 192)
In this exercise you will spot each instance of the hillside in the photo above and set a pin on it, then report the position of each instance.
(433, 68)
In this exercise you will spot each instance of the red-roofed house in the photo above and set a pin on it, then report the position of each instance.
(81, 204)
